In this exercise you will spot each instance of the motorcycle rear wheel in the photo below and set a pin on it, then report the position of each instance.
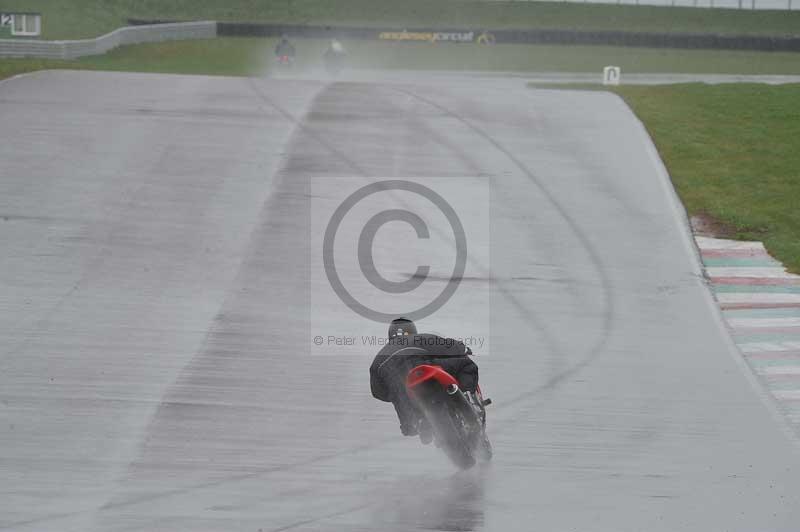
(452, 438)
(484, 448)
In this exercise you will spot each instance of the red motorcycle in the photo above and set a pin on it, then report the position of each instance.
(284, 61)
(458, 418)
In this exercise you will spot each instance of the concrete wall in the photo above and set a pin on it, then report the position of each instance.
(104, 43)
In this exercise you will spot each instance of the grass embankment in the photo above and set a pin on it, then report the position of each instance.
(250, 56)
(12, 67)
(90, 18)
(733, 152)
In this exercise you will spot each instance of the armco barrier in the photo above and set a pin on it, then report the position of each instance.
(104, 43)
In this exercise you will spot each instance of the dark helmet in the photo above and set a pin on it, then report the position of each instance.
(401, 327)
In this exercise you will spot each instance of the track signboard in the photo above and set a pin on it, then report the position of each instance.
(20, 24)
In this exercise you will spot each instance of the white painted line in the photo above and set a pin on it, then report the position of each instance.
(757, 297)
(706, 243)
(763, 322)
(772, 272)
(787, 394)
(779, 370)
(757, 347)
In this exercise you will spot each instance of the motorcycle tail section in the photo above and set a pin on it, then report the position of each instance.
(458, 418)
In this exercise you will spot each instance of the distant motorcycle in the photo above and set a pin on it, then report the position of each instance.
(334, 58)
(284, 61)
(458, 418)
(284, 53)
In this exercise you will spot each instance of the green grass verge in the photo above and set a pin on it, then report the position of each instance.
(250, 56)
(12, 67)
(223, 57)
(71, 19)
(553, 58)
(733, 152)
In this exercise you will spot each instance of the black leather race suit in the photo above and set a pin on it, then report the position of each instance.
(391, 366)
(284, 48)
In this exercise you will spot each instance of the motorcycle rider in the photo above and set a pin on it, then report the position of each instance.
(284, 48)
(334, 57)
(405, 350)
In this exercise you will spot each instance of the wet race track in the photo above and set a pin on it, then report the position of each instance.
(162, 281)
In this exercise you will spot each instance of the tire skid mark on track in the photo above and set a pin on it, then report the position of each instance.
(564, 375)
(213, 327)
(628, 429)
(528, 314)
(608, 315)
(556, 379)
(461, 155)
(301, 127)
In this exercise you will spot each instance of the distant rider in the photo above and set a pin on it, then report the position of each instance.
(407, 349)
(284, 48)
(334, 57)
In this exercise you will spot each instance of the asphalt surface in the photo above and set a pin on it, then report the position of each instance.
(161, 283)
